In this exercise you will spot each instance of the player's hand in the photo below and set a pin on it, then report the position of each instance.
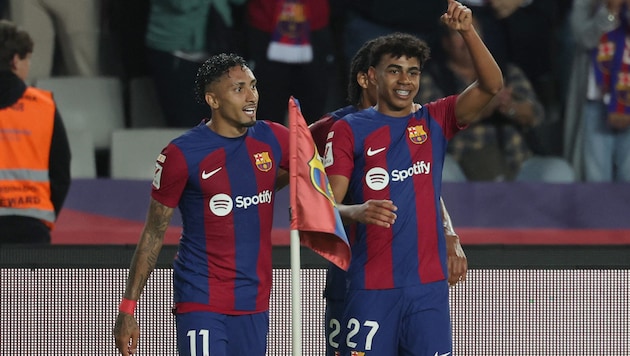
(377, 212)
(457, 17)
(126, 333)
(457, 262)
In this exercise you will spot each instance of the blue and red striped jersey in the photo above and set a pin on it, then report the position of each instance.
(335, 276)
(224, 188)
(396, 158)
(320, 128)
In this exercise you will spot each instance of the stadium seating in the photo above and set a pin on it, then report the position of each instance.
(452, 172)
(83, 163)
(134, 151)
(546, 169)
(144, 108)
(89, 103)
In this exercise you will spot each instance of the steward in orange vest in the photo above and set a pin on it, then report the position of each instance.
(34, 148)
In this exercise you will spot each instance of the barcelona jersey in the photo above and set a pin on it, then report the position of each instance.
(400, 159)
(320, 128)
(224, 188)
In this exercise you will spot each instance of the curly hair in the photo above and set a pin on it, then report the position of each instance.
(13, 41)
(360, 63)
(212, 69)
(399, 44)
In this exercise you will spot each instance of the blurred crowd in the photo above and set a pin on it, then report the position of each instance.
(566, 78)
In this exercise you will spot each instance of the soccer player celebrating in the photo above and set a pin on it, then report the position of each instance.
(362, 92)
(390, 158)
(222, 174)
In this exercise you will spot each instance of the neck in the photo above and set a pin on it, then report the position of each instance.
(222, 129)
(397, 112)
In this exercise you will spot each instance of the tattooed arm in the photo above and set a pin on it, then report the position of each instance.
(126, 329)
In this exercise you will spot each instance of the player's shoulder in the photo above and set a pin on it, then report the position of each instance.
(188, 137)
(355, 118)
(266, 126)
(326, 121)
(448, 101)
(266, 130)
(343, 112)
(323, 124)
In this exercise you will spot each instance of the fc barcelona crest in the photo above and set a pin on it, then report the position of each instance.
(263, 161)
(319, 179)
(417, 134)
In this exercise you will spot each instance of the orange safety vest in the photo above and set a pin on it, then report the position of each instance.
(26, 130)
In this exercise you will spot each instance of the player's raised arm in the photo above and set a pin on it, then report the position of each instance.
(489, 77)
(126, 331)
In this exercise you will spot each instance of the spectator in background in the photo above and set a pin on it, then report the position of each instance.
(34, 148)
(368, 19)
(177, 44)
(289, 44)
(127, 23)
(74, 25)
(597, 131)
(4, 9)
(525, 33)
(493, 148)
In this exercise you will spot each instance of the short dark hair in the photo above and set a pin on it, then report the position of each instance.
(212, 69)
(399, 44)
(13, 41)
(360, 63)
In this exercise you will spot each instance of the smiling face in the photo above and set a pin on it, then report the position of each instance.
(397, 80)
(233, 99)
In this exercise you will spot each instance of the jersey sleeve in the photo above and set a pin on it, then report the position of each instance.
(282, 135)
(170, 176)
(339, 150)
(319, 130)
(443, 111)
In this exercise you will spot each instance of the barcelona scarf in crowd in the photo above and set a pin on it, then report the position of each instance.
(612, 66)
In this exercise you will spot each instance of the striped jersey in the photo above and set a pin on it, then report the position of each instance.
(320, 128)
(396, 158)
(224, 188)
(335, 276)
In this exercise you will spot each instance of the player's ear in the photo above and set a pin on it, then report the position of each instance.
(362, 79)
(211, 100)
(372, 75)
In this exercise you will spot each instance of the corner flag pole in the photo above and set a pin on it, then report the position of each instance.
(323, 233)
(296, 326)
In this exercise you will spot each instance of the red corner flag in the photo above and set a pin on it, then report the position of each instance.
(314, 212)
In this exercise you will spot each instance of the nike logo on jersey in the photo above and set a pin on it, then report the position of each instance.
(446, 354)
(371, 152)
(205, 175)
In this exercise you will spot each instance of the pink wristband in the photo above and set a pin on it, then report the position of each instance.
(127, 306)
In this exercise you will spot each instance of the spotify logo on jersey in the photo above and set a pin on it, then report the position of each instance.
(377, 178)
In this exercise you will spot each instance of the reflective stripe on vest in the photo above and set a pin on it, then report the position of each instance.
(26, 130)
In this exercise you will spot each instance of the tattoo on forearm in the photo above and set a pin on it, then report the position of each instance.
(148, 249)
